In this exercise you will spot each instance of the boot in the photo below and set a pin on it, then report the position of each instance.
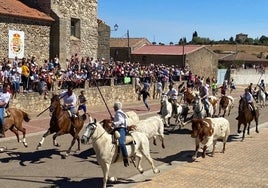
(207, 113)
(2, 132)
(126, 164)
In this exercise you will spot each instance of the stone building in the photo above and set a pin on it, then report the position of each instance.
(199, 59)
(121, 48)
(51, 28)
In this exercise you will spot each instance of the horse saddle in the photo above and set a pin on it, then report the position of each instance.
(128, 141)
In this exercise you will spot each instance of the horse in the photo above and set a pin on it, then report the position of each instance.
(152, 126)
(60, 124)
(214, 102)
(199, 111)
(13, 122)
(226, 103)
(245, 117)
(166, 110)
(107, 152)
(188, 97)
(261, 97)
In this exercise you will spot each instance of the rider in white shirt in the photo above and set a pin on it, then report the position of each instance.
(173, 96)
(69, 99)
(4, 100)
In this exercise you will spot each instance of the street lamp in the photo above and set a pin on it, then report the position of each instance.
(115, 27)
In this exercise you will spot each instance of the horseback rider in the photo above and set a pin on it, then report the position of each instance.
(69, 101)
(203, 92)
(173, 96)
(4, 100)
(250, 100)
(120, 124)
(262, 86)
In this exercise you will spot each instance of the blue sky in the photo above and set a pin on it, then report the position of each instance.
(168, 21)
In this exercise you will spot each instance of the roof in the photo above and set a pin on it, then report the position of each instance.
(166, 50)
(18, 9)
(241, 56)
(123, 42)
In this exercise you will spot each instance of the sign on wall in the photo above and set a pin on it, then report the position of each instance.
(16, 44)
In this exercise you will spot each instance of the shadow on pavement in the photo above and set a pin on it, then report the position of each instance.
(31, 157)
(181, 156)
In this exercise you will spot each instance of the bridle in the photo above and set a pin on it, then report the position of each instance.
(93, 124)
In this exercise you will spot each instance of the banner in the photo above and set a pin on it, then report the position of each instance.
(16, 44)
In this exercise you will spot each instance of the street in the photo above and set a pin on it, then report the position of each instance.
(48, 167)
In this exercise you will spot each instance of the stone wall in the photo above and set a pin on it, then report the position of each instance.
(34, 103)
(86, 12)
(104, 41)
(37, 37)
(203, 62)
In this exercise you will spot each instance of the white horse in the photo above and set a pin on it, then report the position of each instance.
(107, 152)
(261, 97)
(166, 111)
(199, 108)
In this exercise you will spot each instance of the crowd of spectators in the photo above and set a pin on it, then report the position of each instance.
(28, 75)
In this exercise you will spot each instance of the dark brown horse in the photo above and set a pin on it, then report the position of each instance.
(60, 124)
(13, 122)
(245, 116)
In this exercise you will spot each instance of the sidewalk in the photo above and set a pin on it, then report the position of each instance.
(244, 164)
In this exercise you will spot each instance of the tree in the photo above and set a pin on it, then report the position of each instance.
(195, 34)
(182, 41)
(264, 39)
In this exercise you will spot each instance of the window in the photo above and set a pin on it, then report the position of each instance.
(75, 27)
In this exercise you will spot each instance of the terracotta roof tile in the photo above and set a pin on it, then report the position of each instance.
(166, 50)
(17, 8)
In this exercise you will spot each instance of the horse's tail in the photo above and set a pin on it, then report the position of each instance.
(25, 116)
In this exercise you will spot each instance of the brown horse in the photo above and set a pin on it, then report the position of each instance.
(189, 97)
(226, 104)
(61, 123)
(14, 123)
(245, 116)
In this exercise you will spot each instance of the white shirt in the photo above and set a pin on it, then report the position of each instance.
(68, 99)
(4, 97)
(120, 119)
(173, 94)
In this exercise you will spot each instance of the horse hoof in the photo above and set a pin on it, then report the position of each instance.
(66, 154)
(3, 148)
(113, 179)
(25, 145)
(38, 147)
(156, 171)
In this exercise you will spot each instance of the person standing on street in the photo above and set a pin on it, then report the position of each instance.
(82, 102)
(145, 94)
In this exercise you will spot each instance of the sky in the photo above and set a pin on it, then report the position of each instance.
(167, 21)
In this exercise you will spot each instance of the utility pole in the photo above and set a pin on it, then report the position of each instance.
(128, 46)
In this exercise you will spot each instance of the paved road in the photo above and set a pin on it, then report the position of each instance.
(26, 167)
